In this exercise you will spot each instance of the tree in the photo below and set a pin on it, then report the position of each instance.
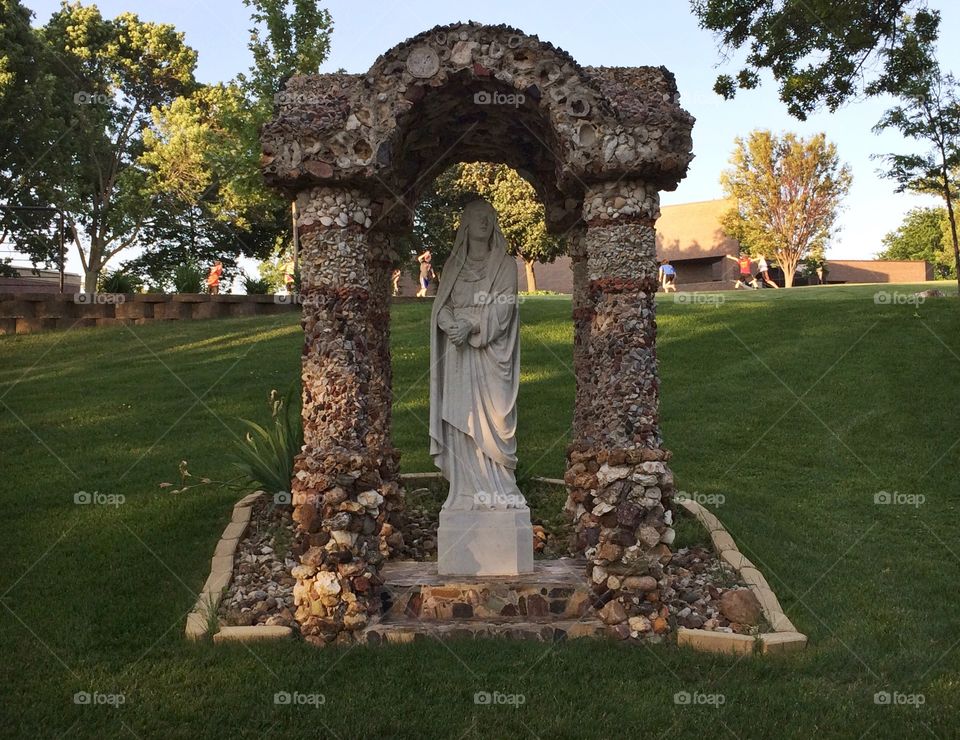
(923, 235)
(929, 112)
(787, 192)
(26, 89)
(203, 149)
(821, 52)
(288, 38)
(201, 154)
(100, 79)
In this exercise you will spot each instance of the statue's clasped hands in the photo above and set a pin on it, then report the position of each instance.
(462, 331)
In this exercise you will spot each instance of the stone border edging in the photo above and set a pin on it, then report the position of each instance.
(221, 574)
(784, 638)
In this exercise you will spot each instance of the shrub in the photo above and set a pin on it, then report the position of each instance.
(118, 282)
(265, 456)
(256, 286)
(188, 278)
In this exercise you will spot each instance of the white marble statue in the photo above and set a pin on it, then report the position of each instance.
(475, 374)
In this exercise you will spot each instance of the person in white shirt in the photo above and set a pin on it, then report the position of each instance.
(762, 268)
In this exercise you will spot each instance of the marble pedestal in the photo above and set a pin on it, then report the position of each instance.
(485, 542)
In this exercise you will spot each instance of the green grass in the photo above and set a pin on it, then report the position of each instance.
(796, 406)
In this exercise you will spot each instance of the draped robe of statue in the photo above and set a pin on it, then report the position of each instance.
(473, 387)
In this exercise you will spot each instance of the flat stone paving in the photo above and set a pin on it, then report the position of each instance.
(556, 590)
(560, 573)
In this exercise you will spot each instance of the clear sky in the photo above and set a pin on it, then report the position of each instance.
(595, 32)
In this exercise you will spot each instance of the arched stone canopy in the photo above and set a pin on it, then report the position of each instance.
(420, 108)
(598, 144)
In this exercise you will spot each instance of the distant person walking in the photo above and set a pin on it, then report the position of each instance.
(290, 276)
(213, 279)
(395, 281)
(426, 272)
(668, 277)
(746, 273)
(763, 268)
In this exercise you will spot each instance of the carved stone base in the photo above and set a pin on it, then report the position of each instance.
(485, 543)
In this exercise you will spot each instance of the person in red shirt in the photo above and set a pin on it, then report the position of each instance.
(213, 279)
(746, 273)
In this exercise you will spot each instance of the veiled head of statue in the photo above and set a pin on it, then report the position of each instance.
(479, 218)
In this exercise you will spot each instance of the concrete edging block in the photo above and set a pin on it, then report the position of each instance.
(251, 634)
(782, 642)
(716, 642)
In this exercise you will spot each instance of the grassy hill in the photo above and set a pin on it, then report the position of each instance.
(799, 407)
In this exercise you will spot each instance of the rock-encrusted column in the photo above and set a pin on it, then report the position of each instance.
(345, 495)
(620, 485)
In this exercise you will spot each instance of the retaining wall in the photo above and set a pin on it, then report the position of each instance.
(25, 313)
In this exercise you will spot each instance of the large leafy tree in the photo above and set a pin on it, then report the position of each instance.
(928, 111)
(787, 192)
(924, 234)
(820, 52)
(201, 155)
(99, 80)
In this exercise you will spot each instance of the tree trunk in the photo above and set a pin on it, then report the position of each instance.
(91, 275)
(789, 270)
(953, 225)
(531, 276)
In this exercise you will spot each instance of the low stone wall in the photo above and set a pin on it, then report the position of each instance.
(25, 313)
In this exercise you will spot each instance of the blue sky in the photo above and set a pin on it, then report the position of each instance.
(595, 32)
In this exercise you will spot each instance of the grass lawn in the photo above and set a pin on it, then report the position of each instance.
(797, 406)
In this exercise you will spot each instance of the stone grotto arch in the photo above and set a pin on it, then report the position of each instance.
(355, 150)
